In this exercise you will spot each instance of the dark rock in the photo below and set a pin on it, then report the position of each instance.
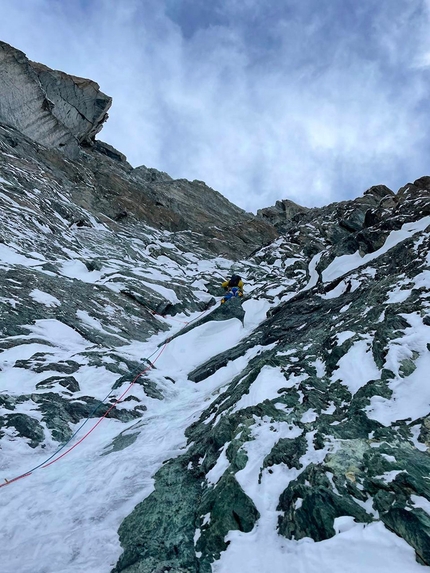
(282, 213)
(26, 427)
(170, 511)
(379, 191)
(288, 452)
(111, 152)
(68, 382)
(414, 527)
(320, 505)
(230, 509)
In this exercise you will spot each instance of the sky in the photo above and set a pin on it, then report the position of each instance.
(283, 99)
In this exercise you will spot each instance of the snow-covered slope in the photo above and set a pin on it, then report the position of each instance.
(144, 427)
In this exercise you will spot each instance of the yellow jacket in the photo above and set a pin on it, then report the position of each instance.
(240, 284)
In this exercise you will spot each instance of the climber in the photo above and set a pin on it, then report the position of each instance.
(234, 288)
(234, 281)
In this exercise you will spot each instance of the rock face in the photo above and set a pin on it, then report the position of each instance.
(282, 213)
(63, 112)
(282, 416)
(52, 108)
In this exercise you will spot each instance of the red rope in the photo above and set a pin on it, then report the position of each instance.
(8, 482)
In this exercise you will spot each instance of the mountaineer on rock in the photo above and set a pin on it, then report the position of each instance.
(234, 288)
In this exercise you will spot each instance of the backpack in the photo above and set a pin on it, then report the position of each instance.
(234, 281)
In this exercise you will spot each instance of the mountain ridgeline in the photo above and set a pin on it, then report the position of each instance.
(301, 412)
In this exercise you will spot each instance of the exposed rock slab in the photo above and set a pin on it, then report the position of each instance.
(52, 108)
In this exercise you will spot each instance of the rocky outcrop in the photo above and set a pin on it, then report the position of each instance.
(102, 183)
(53, 108)
(281, 214)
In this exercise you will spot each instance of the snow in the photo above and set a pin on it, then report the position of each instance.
(195, 347)
(319, 367)
(337, 291)
(264, 487)
(398, 295)
(77, 499)
(255, 312)
(421, 502)
(215, 474)
(313, 275)
(77, 270)
(357, 548)
(415, 431)
(357, 367)
(65, 518)
(167, 293)
(411, 395)
(64, 336)
(11, 301)
(341, 337)
(266, 387)
(44, 298)
(309, 416)
(10, 256)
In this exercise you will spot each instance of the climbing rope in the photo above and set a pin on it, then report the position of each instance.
(165, 316)
(55, 457)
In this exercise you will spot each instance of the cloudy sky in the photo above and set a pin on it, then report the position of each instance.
(308, 100)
